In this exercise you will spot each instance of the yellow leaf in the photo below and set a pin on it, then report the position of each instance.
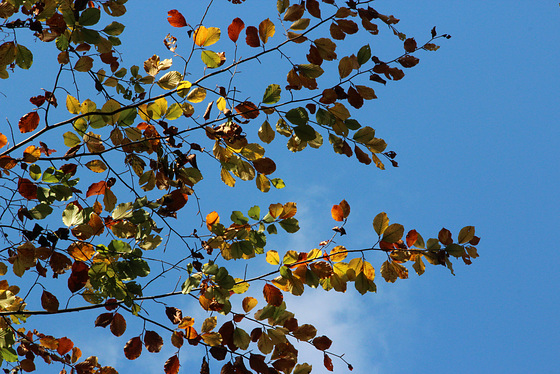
(240, 286)
(209, 324)
(314, 254)
(368, 270)
(275, 210)
(227, 178)
(221, 104)
(183, 88)
(196, 95)
(266, 30)
(388, 272)
(203, 37)
(249, 303)
(211, 219)
(97, 166)
(338, 253)
(288, 210)
(72, 104)
(380, 223)
(186, 322)
(272, 257)
(263, 184)
(213, 339)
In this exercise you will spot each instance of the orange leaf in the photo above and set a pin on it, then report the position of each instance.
(65, 345)
(49, 302)
(27, 189)
(248, 110)
(28, 122)
(272, 295)
(31, 154)
(288, 210)
(328, 362)
(235, 29)
(337, 213)
(411, 238)
(176, 19)
(81, 251)
(79, 276)
(118, 325)
(252, 38)
(133, 348)
(6, 162)
(3, 140)
(172, 365)
(211, 219)
(345, 208)
(96, 189)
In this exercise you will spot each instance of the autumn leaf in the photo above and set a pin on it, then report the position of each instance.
(235, 28)
(49, 302)
(252, 38)
(27, 189)
(248, 304)
(176, 19)
(172, 365)
(247, 110)
(322, 343)
(65, 345)
(204, 37)
(96, 189)
(327, 361)
(153, 341)
(272, 295)
(133, 348)
(266, 30)
(3, 140)
(28, 122)
(118, 325)
(337, 213)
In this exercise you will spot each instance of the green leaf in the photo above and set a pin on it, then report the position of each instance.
(380, 223)
(41, 211)
(310, 70)
(305, 132)
(89, 17)
(238, 218)
(297, 116)
(72, 216)
(266, 133)
(241, 339)
(62, 43)
(114, 28)
(364, 54)
(364, 135)
(211, 59)
(24, 57)
(291, 225)
(393, 233)
(123, 210)
(278, 183)
(272, 94)
(255, 212)
(324, 117)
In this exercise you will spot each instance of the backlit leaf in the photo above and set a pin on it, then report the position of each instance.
(393, 233)
(266, 30)
(252, 38)
(337, 213)
(380, 223)
(272, 257)
(235, 28)
(249, 303)
(247, 110)
(118, 325)
(172, 365)
(466, 234)
(84, 64)
(204, 37)
(153, 341)
(272, 94)
(49, 302)
(272, 295)
(176, 19)
(28, 122)
(24, 57)
(196, 95)
(133, 348)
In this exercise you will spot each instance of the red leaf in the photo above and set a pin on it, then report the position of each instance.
(247, 110)
(65, 345)
(153, 341)
(27, 189)
(444, 236)
(28, 122)
(110, 304)
(328, 362)
(322, 343)
(96, 189)
(176, 19)
(49, 302)
(79, 276)
(38, 100)
(272, 295)
(171, 365)
(252, 38)
(69, 169)
(175, 200)
(411, 238)
(235, 28)
(133, 348)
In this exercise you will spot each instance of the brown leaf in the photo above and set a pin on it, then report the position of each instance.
(247, 110)
(444, 236)
(336, 32)
(175, 315)
(103, 320)
(347, 26)
(294, 12)
(354, 98)
(234, 29)
(408, 61)
(410, 45)
(118, 325)
(258, 364)
(172, 365)
(133, 348)
(96, 189)
(272, 295)
(27, 189)
(59, 263)
(264, 165)
(176, 19)
(31, 154)
(313, 8)
(38, 100)
(49, 302)
(177, 339)
(322, 343)
(361, 155)
(153, 341)
(252, 38)
(28, 122)
(411, 238)
(79, 276)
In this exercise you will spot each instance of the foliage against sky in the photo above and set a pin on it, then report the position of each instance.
(100, 214)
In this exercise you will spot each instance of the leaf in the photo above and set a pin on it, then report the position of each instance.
(272, 257)
(272, 295)
(380, 223)
(408, 61)
(170, 80)
(252, 38)
(176, 19)
(310, 70)
(153, 341)
(24, 57)
(96, 189)
(322, 343)
(444, 236)
(337, 213)
(388, 272)
(466, 234)
(410, 45)
(272, 94)
(49, 302)
(411, 238)
(172, 365)
(266, 133)
(81, 251)
(249, 303)
(84, 64)
(196, 95)
(235, 28)
(28, 122)
(27, 189)
(393, 233)
(209, 324)
(247, 110)
(327, 362)
(89, 17)
(266, 30)
(345, 67)
(204, 37)
(118, 325)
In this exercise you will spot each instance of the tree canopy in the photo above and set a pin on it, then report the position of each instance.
(95, 192)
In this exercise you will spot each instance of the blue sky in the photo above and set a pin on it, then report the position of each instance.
(475, 128)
